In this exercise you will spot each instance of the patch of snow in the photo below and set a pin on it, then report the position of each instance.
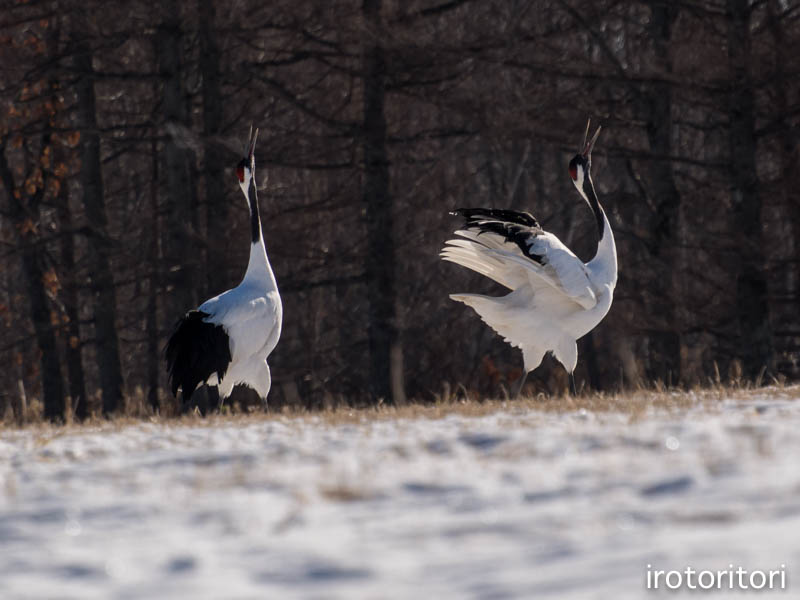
(522, 505)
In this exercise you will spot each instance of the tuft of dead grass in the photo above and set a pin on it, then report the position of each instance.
(342, 492)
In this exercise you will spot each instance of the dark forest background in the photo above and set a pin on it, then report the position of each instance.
(120, 210)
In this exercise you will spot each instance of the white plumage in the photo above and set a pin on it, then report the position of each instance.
(251, 314)
(555, 298)
(227, 340)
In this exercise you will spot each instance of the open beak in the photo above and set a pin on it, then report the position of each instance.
(587, 145)
(251, 147)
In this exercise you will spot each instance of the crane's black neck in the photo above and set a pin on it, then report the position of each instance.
(255, 218)
(594, 204)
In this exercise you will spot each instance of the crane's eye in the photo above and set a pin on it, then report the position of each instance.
(241, 169)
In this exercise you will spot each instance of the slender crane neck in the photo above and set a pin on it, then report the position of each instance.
(255, 217)
(587, 191)
(258, 267)
(604, 262)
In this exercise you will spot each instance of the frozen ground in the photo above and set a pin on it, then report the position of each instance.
(511, 505)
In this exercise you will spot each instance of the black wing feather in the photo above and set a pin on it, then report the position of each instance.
(195, 351)
(473, 215)
(515, 226)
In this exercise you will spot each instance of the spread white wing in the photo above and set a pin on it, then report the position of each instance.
(511, 248)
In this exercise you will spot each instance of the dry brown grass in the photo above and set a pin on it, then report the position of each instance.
(343, 492)
(635, 404)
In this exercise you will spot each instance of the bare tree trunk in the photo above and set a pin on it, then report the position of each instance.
(151, 324)
(15, 369)
(213, 161)
(77, 384)
(787, 337)
(52, 382)
(665, 344)
(19, 404)
(755, 341)
(378, 203)
(32, 251)
(178, 245)
(104, 301)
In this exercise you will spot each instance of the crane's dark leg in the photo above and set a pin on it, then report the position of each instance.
(197, 401)
(185, 405)
(572, 389)
(214, 401)
(519, 385)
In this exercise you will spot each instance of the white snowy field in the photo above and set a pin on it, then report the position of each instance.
(522, 503)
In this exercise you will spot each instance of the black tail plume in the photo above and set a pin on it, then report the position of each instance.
(195, 351)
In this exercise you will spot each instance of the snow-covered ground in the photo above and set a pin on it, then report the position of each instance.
(520, 504)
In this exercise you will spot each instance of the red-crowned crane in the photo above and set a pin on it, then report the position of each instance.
(555, 297)
(227, 339)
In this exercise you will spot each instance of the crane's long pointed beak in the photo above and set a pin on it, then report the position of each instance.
(588, 146)
(586, 133)
(251, 145)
